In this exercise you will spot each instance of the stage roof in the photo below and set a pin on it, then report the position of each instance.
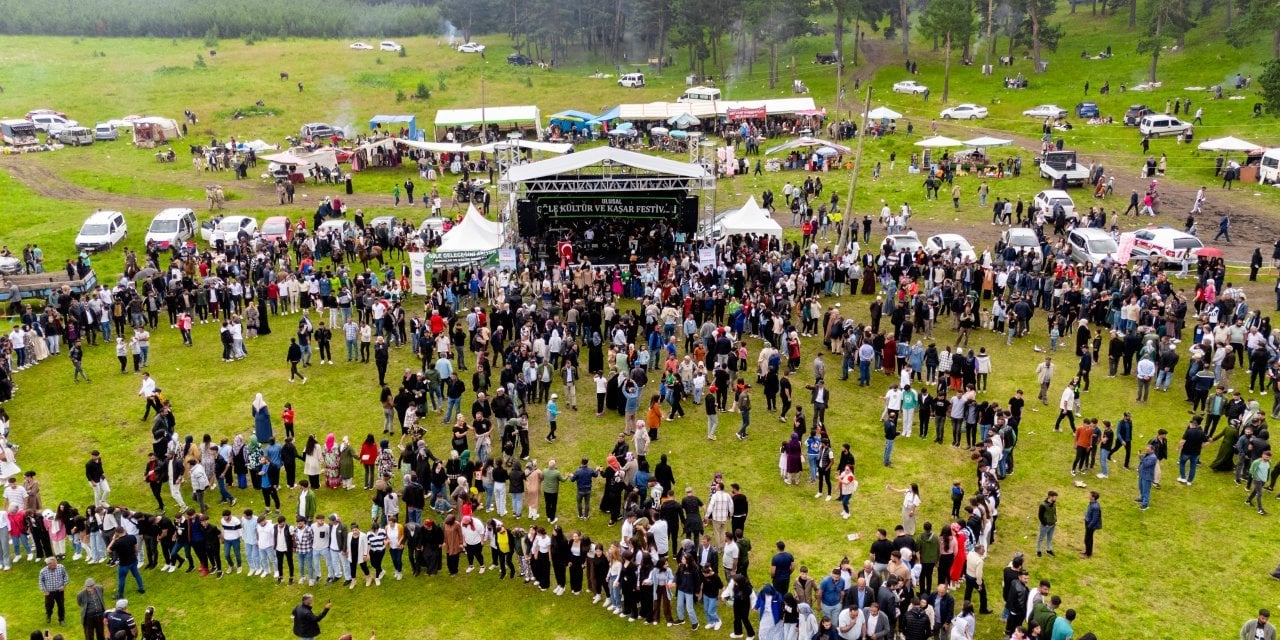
(604, 155)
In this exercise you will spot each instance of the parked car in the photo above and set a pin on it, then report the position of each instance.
(318, 130)
(898, 242)
(1022, 239)
(1088, 110)
(1049, 198)
(1166, 243)
(1134, 113)
(471, 47)
(1158, 124)
(101, 231)
(104, 131)
(277, 228)
(44, 112)
(172, 226)
(1045, 111)
(52, 123)
(10, 266)
(389, 45)
(75, 136)
(631, 80)
(231, 227)
(362, 46)
(952, 244)
(964, 111)
(328, 226)
(1092, 246)
(520, 60)
(909, 86)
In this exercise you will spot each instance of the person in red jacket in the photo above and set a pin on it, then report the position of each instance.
(369, 459)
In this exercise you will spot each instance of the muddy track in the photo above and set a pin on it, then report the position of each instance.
(50, 185)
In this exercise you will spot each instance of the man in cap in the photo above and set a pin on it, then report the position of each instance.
(120, 621)
(93, 606)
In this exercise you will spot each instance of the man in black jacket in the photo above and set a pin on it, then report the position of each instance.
(915, 624)
(1015, 601)
(306, 624)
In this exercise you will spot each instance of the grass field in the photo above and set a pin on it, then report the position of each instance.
(1125, 591)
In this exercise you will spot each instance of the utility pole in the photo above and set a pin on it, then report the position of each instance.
(853, 180)
(991, 45)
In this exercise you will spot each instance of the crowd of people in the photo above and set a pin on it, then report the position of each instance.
(514, 348)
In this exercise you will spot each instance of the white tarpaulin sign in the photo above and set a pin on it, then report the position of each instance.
(418, 273)
(507, 259)
(706, 257)
(1125, 250)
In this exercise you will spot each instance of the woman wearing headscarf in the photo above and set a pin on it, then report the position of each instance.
(332, 476)
(261, 419)
(532, 488)
(958, 563)
(253, 453)
(769, 605)
(240, 461)
(347, 464)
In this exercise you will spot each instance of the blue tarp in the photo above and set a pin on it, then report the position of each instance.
(571, 120)
(607, 116)
(381, 122)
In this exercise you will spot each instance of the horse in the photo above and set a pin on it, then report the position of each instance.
(368, 253)
(284, 75)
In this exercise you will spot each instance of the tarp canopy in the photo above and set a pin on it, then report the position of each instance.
(709, 108)
(987, 141)
(607, 116)
(572, 116)
(485, 223)
(1228, 143)
(808, 141)
(256, 145)
(549, 147)
(571, 162)
(379, 122)
(304, 160)
(938, 142)
(434, 147)
(472, 234)
(882, 113)
(683, 120)
(750, 219)
(460, 117)
(154, 129)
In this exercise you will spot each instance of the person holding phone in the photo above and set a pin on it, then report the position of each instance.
(306, 624)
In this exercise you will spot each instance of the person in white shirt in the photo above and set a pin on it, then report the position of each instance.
(266, 546)
(15, 495)
(850, 623)
(249, 535)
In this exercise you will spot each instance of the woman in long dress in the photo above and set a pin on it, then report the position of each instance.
(261, 419)
(332, 475)
(8, 461)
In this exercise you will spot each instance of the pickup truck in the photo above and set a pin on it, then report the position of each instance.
(1061, 166)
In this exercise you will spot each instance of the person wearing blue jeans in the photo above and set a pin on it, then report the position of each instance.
(1190, 445)
(890, 433)
(125, 548)
(1146, 476)
(864, 372)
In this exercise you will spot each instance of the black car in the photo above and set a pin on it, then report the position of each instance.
(1134, 114)
(520, 60)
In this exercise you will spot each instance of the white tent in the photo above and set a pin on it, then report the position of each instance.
(938, 142)
(881, 113)
(152, 130)
(304, 160)
(987, 141)
(492, 227)
(1228, 144)
(257, 145)
(807, 141)
(749, 219)
(472, 234)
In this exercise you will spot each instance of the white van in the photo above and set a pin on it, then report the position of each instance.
(700, 93)
(172, 226)
(1269, 170)
(75, 136)
(631, 80)
(101, 231)
(1158, 124)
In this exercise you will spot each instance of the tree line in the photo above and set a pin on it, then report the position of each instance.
(228, 18)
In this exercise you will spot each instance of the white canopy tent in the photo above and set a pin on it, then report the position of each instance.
(524, 114)
(749, 219)
(982, 142)
(1228, 143)
(474, 233)
(571, 162)
(881, 113)
(808, 141)
(939, 142)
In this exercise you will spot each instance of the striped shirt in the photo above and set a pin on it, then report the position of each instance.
(231, 528)
(377, 541)
(55, 579)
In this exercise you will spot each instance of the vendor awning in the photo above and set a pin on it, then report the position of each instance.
(461, 117)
